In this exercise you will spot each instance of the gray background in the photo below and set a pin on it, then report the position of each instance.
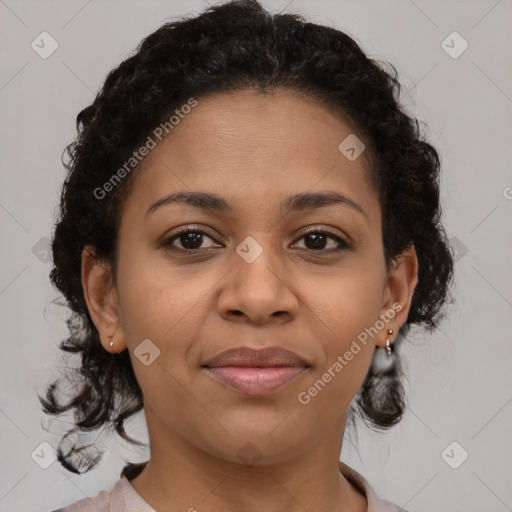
(460, 378)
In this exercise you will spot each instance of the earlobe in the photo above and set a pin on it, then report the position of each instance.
(401, 283)
(101, 298)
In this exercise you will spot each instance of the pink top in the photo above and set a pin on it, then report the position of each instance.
(124, 498)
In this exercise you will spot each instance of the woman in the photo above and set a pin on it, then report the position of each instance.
(249, 227)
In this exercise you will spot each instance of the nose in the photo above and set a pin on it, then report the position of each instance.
(257, 292)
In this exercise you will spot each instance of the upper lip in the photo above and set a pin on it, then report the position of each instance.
(265, 357)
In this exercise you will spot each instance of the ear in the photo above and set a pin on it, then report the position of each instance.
(101, 298)
(398, 292)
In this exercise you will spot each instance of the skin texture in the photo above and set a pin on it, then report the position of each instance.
(254, 151)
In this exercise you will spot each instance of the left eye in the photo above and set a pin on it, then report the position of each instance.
(320, 238)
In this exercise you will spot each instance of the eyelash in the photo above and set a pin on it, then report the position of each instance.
(343, 245)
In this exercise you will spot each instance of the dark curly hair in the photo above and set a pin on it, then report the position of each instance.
(233, 46)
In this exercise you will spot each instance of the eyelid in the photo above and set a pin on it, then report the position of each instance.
(334, 232)
(186, 229)
(343, 242)
(308, 229)
(323, 229)
(189, 227)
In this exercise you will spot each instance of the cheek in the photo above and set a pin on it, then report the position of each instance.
(166, 306)
(155, 298)
(347, 354)
(346, 308)
(346, 300)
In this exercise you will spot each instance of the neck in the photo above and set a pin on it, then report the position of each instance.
(179, 476)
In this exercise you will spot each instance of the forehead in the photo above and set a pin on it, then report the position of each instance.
(253, 148)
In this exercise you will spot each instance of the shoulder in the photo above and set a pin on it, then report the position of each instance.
(100, 503)
(122, 498)
(375, 503)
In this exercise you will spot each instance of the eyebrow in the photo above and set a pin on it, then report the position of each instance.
(297, 202)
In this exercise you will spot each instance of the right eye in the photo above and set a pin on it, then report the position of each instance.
(191, 240)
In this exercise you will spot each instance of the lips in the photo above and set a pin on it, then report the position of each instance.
(256, 372)
(245, 356)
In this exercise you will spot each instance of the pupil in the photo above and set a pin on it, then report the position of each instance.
(191, 238)
(319, 238)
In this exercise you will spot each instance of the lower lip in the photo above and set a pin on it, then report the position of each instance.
(256, 381)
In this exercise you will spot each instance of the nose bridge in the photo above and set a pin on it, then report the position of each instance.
(257, 286)
(257, 268)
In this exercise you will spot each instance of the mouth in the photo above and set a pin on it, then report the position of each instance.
(254, 380)
(256, 372)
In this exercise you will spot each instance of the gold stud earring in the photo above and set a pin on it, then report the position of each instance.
(388, 345)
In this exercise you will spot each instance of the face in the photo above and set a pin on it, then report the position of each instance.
(270, 260)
